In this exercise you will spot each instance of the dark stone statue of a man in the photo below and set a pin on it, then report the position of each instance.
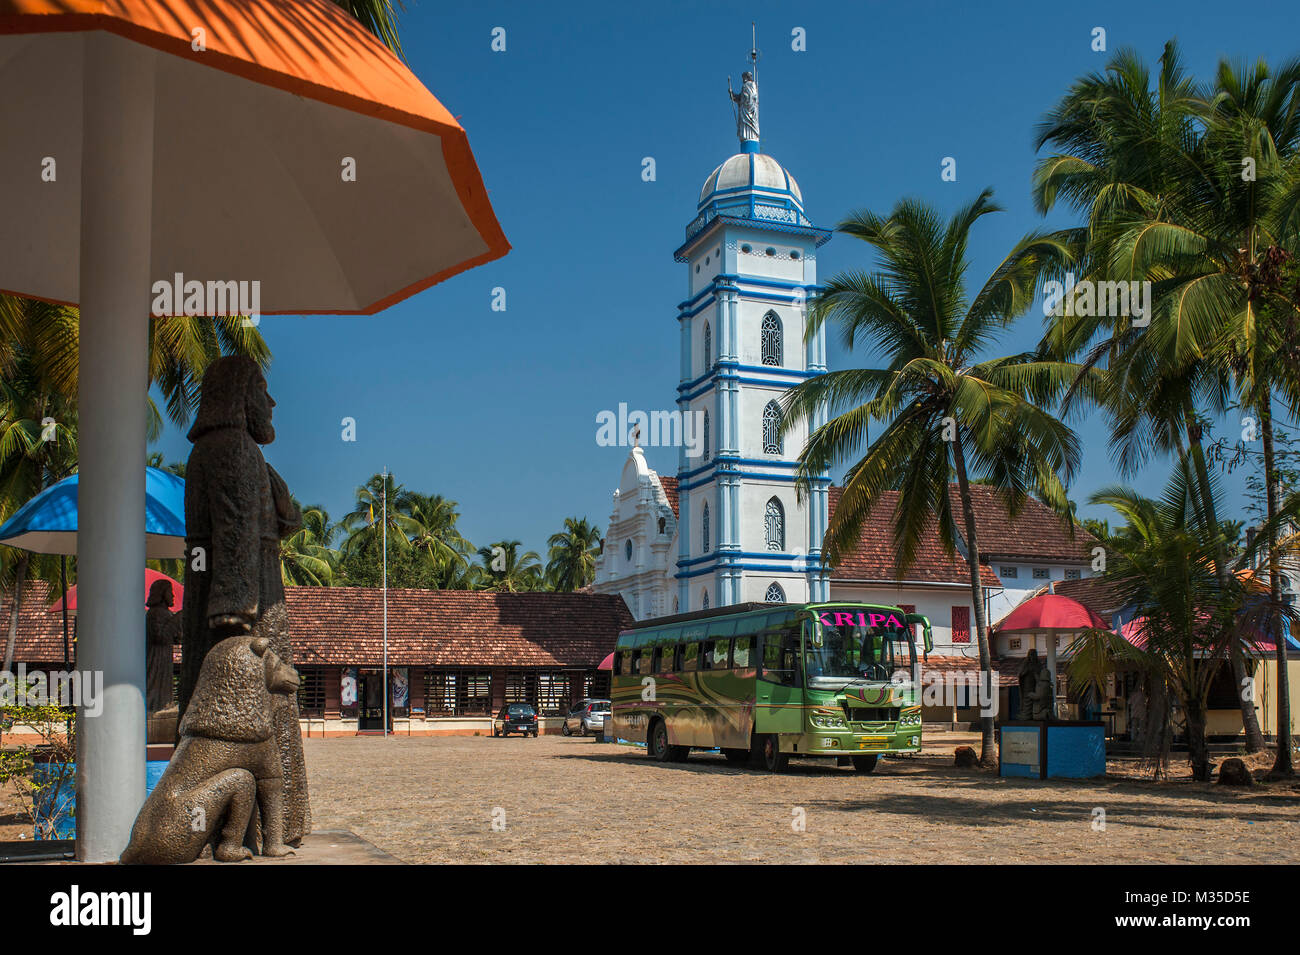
(1037, 694)
(162, 632)
(237, 509)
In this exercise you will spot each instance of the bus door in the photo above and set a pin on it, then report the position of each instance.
(778, 703)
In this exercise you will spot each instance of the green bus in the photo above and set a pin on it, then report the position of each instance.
(764, 682)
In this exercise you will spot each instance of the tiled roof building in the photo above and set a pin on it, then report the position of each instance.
(453, 656)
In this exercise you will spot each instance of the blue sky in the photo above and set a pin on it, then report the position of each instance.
(497, 410)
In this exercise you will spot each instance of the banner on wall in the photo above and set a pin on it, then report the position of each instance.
(401, 687)
(348, 687)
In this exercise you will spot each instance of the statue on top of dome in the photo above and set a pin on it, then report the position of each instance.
(746, 107)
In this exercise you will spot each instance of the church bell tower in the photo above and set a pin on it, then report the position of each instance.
(751, 267)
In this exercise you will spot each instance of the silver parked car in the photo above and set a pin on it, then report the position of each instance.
(586, 718)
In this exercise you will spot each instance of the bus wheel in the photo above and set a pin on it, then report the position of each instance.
(767, 754)
(736, 755)
(657, 743)
(864, 764)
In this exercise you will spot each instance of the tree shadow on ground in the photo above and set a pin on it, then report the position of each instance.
(1115, 794)
(1022, 810)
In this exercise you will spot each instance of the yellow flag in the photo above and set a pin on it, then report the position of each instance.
(372, 513)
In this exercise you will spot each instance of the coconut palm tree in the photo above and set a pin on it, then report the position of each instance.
(1247, 228)
(364, 524)
(305, 555)
(379, 17)
(949, 411)
(437, 540)
(571, 559)
(1134, 156)
(38, 446)
(1186, 614)
(509, 570)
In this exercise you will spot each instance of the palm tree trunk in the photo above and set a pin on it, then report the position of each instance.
(1249, 718)
(1282, 763)
(1197, 746)
(20, 577)
(988, 750)
(1155, 743)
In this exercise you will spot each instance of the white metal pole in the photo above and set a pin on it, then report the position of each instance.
(385, 598)
(116, 218)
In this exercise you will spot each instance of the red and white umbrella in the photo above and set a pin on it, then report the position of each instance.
(202, 146)
(1049, 613)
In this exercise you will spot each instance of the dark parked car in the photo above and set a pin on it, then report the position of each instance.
(515, 718)
(585, 718)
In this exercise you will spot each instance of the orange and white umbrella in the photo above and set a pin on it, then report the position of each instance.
(288, 146)
(202, 157)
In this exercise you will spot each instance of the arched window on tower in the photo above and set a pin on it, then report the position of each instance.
(704, 528)
(774, 525)
(772, 340)
(774, 595)
(708, 346)
(772, 428)
(704, 604)
(706, 435)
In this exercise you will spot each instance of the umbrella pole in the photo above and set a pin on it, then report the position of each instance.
(116, 224)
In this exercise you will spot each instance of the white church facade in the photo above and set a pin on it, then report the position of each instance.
(728, 527)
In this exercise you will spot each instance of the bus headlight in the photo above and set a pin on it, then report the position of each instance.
(828, 722)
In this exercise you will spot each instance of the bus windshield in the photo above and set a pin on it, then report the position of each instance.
(859, 645)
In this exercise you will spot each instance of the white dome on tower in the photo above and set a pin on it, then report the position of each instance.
(751, 173)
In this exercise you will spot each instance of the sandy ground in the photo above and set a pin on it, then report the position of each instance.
(478, 799)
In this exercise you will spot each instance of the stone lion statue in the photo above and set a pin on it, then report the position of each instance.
(227, 762)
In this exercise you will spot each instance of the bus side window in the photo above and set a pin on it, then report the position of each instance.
(740, 657)
(668, 663)
(781, 651)
(618, 663)
(647, 661)
(722, 655)
(690, 656)
(771, 658)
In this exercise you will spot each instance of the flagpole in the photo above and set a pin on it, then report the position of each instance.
(385, 521)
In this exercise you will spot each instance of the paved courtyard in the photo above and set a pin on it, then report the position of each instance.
(552, 799)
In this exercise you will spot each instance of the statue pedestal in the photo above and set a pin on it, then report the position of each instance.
(1052, 749)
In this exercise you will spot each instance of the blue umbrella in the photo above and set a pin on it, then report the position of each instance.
(47, 524)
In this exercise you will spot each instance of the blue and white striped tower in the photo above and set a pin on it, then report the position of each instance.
(751, 261)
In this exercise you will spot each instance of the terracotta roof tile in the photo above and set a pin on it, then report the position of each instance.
(1037, 532)
(874, 556)
(40, 632)
(670, 489)
(1007, 668)
(344, 625)
(1095, 593)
